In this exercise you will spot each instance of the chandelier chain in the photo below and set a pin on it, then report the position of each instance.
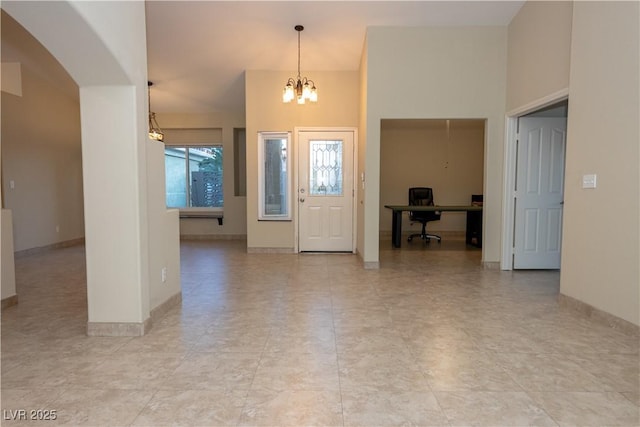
(298, 55)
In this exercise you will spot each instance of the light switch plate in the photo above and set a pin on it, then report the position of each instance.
(589, 181)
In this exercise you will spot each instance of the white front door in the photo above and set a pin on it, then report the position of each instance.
(325, 191)
(539, 192)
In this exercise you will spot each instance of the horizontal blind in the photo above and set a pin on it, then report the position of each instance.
(201, 136)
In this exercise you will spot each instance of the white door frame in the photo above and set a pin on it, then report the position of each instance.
(296, 144)
(508, 208)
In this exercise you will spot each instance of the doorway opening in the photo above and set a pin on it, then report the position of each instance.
(534, 186)
(446, 155)
(42, 166)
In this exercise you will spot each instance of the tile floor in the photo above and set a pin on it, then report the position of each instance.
(429, 339)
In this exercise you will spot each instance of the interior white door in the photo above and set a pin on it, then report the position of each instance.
(325, 193)
(539, 192)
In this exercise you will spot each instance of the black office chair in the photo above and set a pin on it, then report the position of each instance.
(422, 196)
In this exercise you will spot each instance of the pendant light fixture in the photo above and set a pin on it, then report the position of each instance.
(155, 132)
(300, 88)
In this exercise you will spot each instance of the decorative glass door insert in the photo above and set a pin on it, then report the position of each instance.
(325, 168)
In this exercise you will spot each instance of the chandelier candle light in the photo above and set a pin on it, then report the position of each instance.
(300, 88)
(155, 133)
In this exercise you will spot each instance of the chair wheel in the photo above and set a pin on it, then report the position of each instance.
(409, 239)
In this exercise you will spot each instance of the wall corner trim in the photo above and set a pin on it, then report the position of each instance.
(162, 309)
(597, 315)
(118, 329)
(9, 302)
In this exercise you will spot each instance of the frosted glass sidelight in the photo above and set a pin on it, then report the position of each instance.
(274, 163)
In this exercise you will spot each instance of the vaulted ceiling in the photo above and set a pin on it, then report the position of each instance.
(198, 50)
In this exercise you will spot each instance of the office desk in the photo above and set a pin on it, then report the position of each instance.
(396, 223)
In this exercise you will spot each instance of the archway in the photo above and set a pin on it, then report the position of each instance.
(109, 66)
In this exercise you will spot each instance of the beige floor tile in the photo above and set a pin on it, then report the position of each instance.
(302, 337)
(192, 408)
(633, 397)
(370, 407)
(391, 371)
(505, 337)
(48, 369)
(589, 408)
(238, 320)
(84, 345)
(292, 408)
(160, 343)
(104, 407)
(10, 361)
(16, 342)
(128, 371)
(492, 409)
(429, 338)
(362, 317)
(584, 338)
(213, 371)
(549, 372)
(297, 371)
(370, 340)
(616, 372)
(463, 370)
(17, 405)
(233, 340)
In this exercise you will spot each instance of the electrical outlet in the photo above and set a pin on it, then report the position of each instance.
(164, 274)
(57, 228)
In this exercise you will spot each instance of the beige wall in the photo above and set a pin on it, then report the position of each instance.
(592, 49)
(362, 152)
(235, 207)
(41, 148)
(337, 106)
(7, 267)
(439, 72)
(421, 153)
(601, 269)
(539, 50)
(164, 238)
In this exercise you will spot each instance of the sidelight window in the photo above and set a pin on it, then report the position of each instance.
(274, 172)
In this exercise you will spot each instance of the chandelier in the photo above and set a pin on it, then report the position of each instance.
(300, 88)
(155, 133)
